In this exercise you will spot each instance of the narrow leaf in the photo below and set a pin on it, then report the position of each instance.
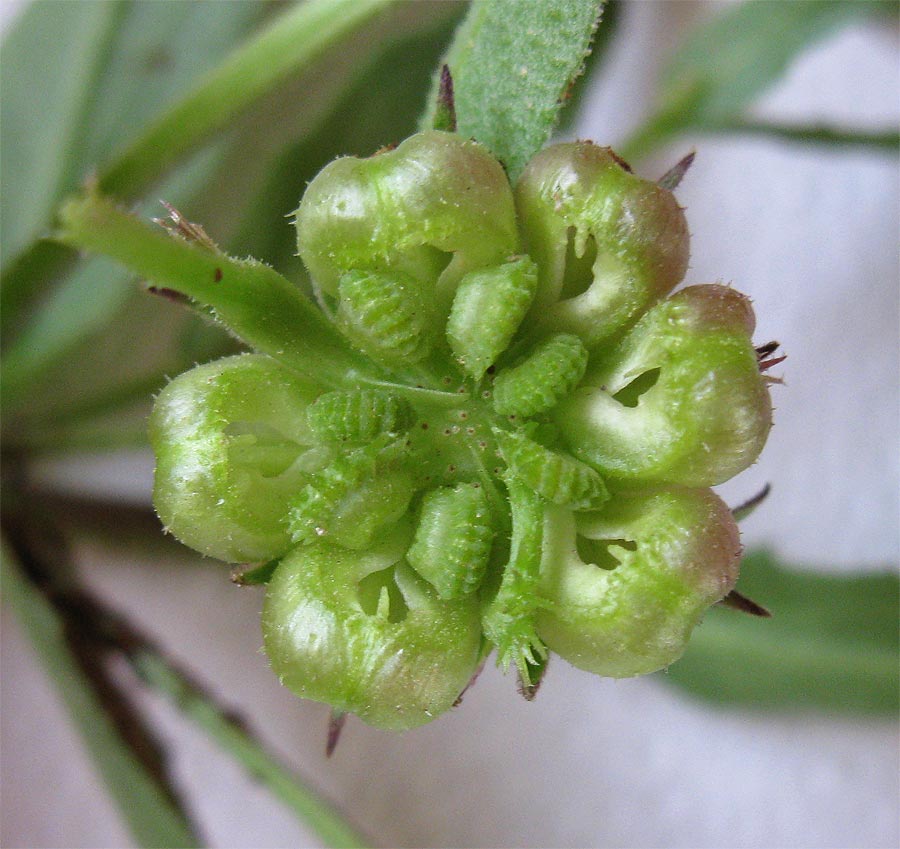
(887, 141)
(512, 64)
(152, 818)
(311, 810)
(604, 37)
(291, 42)
(831, 643)
(37, 133)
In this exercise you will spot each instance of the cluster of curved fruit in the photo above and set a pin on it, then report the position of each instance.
(525, 464)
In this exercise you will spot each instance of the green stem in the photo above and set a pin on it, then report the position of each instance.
(255, 302)
(663, 126)
(288, 45)
(310, 809)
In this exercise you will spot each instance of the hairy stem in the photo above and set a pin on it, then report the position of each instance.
(251, 299)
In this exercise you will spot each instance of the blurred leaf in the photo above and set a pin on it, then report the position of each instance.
(728, 62)
(292, 41)
(89, 298)
(111, 68)
(59, 50)
(151, 816)
(303, 802)
(141, 70)
(832, 643)
(83, 304)
(160, 52)
(512, 65)
(98, 394)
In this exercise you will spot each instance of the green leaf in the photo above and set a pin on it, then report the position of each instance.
(292, 41)
(82, 305)
(114, 66)
(831, 643)
(151, 816)
(512, 64)
(728, 62)
(159, 53)
(57, 49)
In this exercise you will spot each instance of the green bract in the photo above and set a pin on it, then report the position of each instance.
(517, 457)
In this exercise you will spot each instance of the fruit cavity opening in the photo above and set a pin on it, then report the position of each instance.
(578, 274)
(596, 552)
(379, 595)
(630, 395)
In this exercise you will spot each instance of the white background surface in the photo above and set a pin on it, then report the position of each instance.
(811, 235)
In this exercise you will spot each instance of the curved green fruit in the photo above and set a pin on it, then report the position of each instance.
(680, 399)
(607, 243)
(365, 634)
(537, 383)
(487, 310)
(626, 585)
(453, 539)
(436, 198)
(229, 439)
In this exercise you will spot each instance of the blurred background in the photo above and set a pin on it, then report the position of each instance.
(807, 229)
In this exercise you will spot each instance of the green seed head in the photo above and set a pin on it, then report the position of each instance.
(515, 454)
